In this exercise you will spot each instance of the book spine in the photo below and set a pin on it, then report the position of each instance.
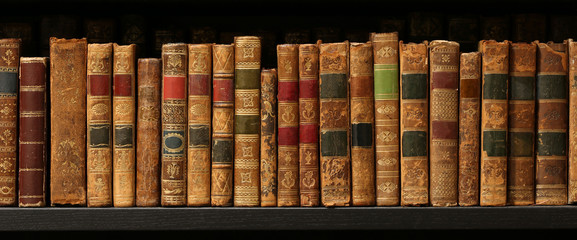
(10, 49)
(335, 160)
(572, 151)
(124, 121)
(222, 154)
(268, 138)
(444, 123)
(32, 132)
(414, 121)
(68, 121)
(99, 120)
(309, 125)
(386, 87)
(247, 59)
(494, 123)
(288, 125)
(469, 128)
(552, 113)
(362, 124)
(199, 113)
(174, 124)
(521, 162)
(148, 132)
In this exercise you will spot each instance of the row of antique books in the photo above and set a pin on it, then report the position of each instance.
(378, 123)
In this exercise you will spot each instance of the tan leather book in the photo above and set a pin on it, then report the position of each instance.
(572, 150)
(68, 121)
(444, 123)
(99, 120)
(268, 138)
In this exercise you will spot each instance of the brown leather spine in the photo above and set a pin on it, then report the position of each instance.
(99, 120)
(268, 138)
(469, 128)
(68, 121)
(32, 129)
(572, 151)
(444, 123)
(362, 124)
(148, 133)
(199, 113)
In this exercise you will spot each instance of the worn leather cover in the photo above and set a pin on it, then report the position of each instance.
(444, 123)
(386, 90)
(268, 138)
(572, 150)
(99, 120)
(288, 125)
(32, 132)
(521, 162)
(174, 124)
(68, 121)
(199, 117)
(469, 127)
(148, 127)
(222, 125)
(309, 125)
(335, 160)
(494, 123)
(414, 130)
(552, 124)
(362, 124)
(246, 121)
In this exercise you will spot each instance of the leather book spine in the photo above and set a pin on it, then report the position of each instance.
(572, 150)
(124, 124)
(32, 132)
(494, 123)
(521, 162)
(386, 88)
(362, 124)
(444, 123)
(222, 155)
(288, 125)
(148, 132)
(247, 59)
(268, 138)
(174, 124)
(552, 124)
(10, 51)
(469, 127)
(199, 113)
(335, 160)
(99, 120)
(309, 125)
(414, 123)
(68, 121)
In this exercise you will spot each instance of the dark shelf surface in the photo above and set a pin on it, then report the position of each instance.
(297, 218)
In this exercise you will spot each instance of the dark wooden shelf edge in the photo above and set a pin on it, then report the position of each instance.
(234, 218)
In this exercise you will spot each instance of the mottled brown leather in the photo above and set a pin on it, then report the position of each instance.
(572, 151)
(268, 139)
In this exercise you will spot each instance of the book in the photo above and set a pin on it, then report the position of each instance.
(65, 26)
(99, 124)
(309, 125)
(335, 157)
(247, 55)
(124, 124)
(386, 90)
(494, 122)
(32, 132)
(414, 123)
(469, 127)
(444, 123)
(268, 138)
(174, 124)
(572, 127)
(199, 117)
(148, 140)
(362, 124)
(222, 149)
(521, 158)
(288, 125)
(26, 31)
(68, 121)
(552, 123)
